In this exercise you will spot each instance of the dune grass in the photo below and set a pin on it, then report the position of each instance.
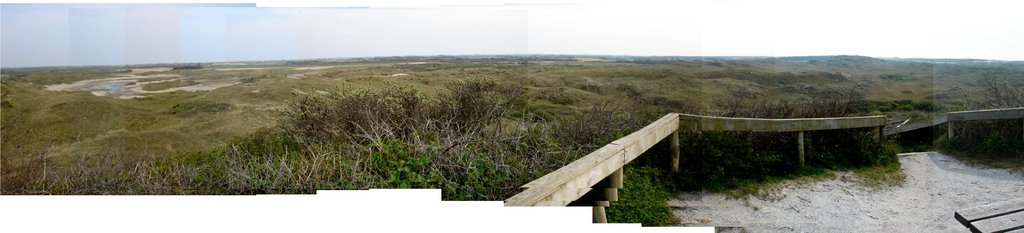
(245, 138)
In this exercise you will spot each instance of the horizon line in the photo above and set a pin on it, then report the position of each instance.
(496, 55)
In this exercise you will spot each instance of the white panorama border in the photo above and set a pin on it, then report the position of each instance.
(379, 210)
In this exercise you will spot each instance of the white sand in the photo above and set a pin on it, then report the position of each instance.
(238, 69)
(935, 187)
(314, 67)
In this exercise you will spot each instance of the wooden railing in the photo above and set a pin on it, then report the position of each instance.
(991, 114)
(595, 178)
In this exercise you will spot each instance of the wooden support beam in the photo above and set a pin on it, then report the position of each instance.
(881, 134)
(599, 215)
(949, 130)
(615, 179)
(800, 141)
(674, 150)
(603, 193)
(611, 194)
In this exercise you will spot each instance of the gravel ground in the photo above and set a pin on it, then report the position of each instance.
(935, 187)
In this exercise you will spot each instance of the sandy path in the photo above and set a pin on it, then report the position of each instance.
(935, 187)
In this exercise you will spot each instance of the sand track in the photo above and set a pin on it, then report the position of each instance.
(935, 187)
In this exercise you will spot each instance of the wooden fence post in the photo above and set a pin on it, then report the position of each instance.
(611, 191)
(599, 215)
(881, 134)
(674, 162)
(800, 142)
(949, 130)
(603, 193)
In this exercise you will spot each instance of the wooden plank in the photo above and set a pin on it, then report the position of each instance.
(657, 124)
(569, 182)
(586, 180)
(564, 191)
(708, 123)
(988, 114)
(646, 138)
(919, 125)
(580, 165)
(989, 210)
(574, 168)
(1005, 223)
(529, 197)
(689, 122)
(572, 189)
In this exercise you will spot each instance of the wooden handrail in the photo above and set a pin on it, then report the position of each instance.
(988, 114)
(710, 123)
(572, 181)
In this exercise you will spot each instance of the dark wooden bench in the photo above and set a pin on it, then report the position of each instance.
(1005, 216)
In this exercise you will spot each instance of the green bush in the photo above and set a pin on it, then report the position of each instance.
(189, 108)
(996, 143)
(643, 197)
(723, 160)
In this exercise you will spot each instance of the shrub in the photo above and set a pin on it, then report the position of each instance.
(189, 108)
(723, 160)
(642, 199)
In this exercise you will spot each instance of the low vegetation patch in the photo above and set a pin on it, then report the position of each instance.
(990, 143)
(168, 85)
(743, 162)
(643, 197)
(193, 107)
(461, 141)
(994, 143)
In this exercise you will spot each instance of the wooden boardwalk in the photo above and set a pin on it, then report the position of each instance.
(949, 118)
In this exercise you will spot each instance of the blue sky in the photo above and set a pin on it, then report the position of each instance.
(112, 34)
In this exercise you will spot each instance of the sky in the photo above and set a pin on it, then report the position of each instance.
(117, 34)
